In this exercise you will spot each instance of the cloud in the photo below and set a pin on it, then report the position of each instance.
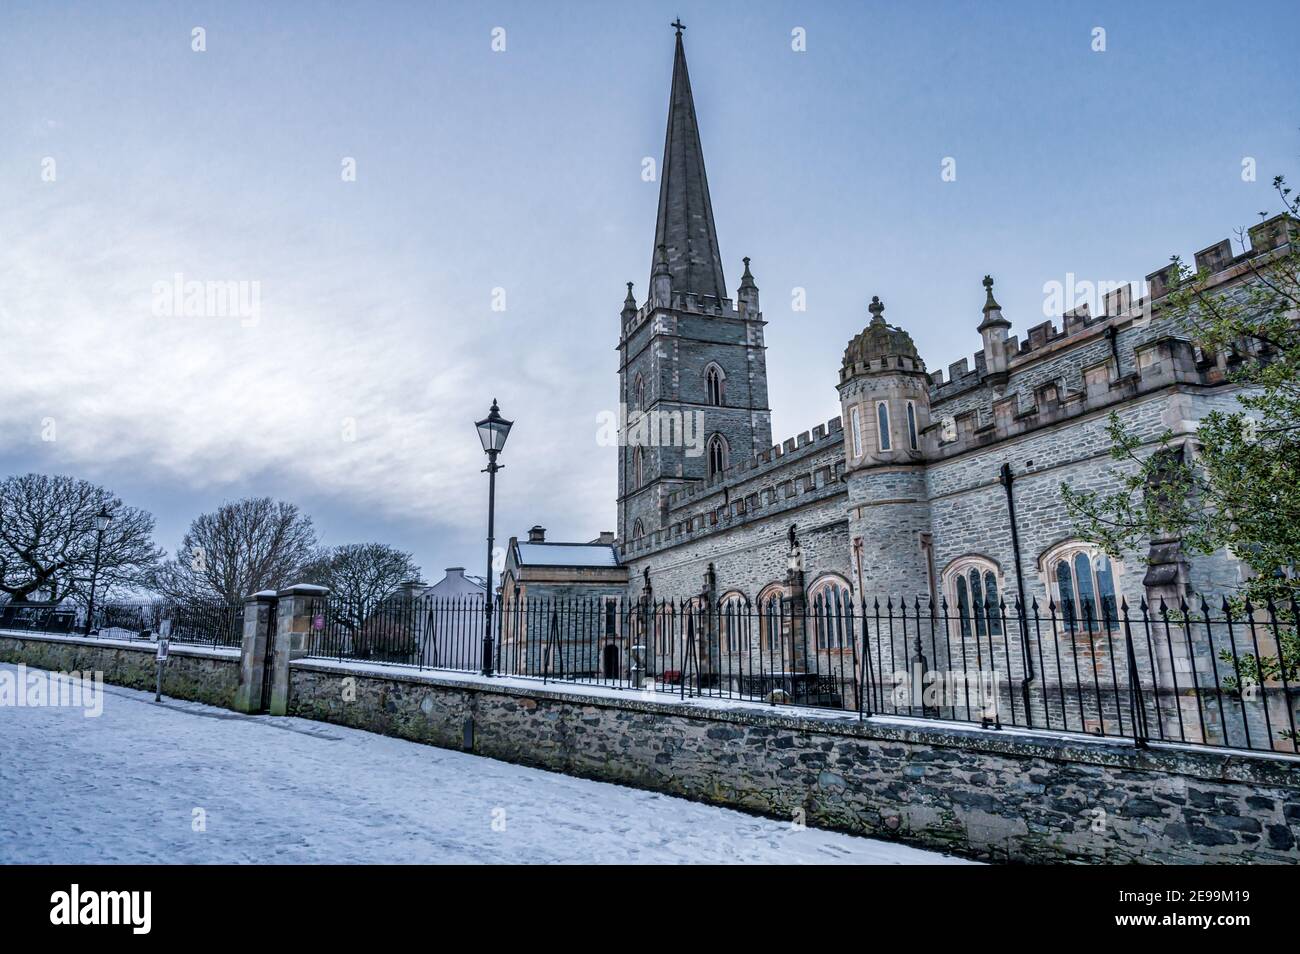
(334, 388)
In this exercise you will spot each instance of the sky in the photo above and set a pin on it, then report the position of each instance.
(498, 206)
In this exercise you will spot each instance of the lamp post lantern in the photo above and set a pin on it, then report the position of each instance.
(492, 431)
(102, 520)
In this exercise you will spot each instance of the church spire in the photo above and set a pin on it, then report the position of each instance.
(685, 224)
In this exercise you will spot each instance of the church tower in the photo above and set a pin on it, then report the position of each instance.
(692, 371)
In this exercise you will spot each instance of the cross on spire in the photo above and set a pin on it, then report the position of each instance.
(678, 25)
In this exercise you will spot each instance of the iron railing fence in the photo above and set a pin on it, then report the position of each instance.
(681, 647)
(781, 653)
(1196, 673)
(1224, 676)
(1221, 674)
(198, 622)
(426, 632)
(41, 617)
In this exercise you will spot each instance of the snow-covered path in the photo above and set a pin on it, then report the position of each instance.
(126, 787)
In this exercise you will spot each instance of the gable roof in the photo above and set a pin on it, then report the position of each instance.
(566, 554)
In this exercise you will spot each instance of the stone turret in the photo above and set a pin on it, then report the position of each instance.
(747, 296)
(993, 329)
(885, 396)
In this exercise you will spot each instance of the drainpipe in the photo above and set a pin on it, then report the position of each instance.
(1007, 479)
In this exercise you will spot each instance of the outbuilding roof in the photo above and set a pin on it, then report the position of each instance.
(567, 554)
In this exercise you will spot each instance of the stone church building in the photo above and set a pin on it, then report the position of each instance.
(929, 483)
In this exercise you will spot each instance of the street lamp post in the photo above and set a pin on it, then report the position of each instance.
(102, 520)
(492, 431)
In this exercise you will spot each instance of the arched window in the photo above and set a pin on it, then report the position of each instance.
(638, 529)
(832, 606)
(971, 587)
(638, 393)
(715, 383)
(718, 454)
(1081, 581)
(638, 468)
(912, 437)
(771, 620)
(882, 425)
(733, 620)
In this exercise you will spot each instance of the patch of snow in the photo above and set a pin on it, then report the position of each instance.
(127, 787)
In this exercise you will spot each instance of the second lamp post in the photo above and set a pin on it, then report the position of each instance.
(492, 431)
(102, 520)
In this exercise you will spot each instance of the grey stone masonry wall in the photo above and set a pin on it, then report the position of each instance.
(669, 349)
(968, 507)
(748, 510)
(1069, 355)
(889, 513)
(750, 554)
(191, 672)
(1057, 374)
(295, 607)
(1062, 440)
(259, 610)
(1001, 796)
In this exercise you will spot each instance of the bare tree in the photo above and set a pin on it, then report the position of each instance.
(240, 548)
(362, 577)
(362, 574)
(48, 538)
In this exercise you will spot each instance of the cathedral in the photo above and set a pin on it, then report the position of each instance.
(929, 484)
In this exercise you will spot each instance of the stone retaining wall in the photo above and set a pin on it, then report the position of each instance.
(192, 672)
(1005, 796)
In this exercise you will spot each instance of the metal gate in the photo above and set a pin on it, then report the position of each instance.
(268, 664)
